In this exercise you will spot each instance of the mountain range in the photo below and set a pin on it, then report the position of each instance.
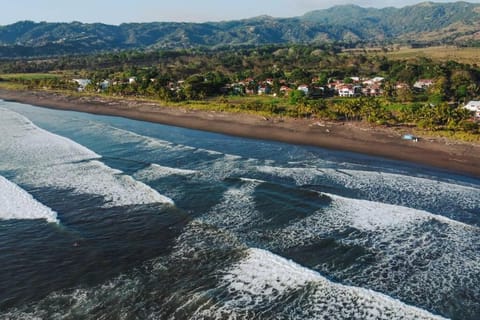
(450, 23)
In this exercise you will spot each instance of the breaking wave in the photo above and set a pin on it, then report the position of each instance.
(406, 253)
(16, 203)
(42, 159)
(292, 233)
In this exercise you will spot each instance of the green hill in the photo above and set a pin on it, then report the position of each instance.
(453, 23)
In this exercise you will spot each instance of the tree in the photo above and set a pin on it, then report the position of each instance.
(473, 89)
(439, 90)
(296, 97)
(194, 86)
(404, 94)
(300, 76)
(388, 90)
(372, 111)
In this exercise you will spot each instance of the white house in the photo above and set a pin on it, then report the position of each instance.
(373, 81)
(423, 84)
(372, 91)
(285, 90)
(355, 79)
(304, 88)
(349, 90)
(264, 90)
(473, 106)
(82, 83)
(378, 79)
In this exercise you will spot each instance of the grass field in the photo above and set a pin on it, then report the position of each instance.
(12, 85)
(441, 53)
(28, 76)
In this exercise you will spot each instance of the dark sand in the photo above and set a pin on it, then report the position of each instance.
(442, 153)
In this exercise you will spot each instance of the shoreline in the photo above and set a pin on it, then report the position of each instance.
(442, 153)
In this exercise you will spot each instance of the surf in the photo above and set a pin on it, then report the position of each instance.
(17, 204)
(42, 159)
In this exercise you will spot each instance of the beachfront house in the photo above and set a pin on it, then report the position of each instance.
(264, 89)
(373, 90)
(82, 83)
(304, 88)
(104, 85)
(473, 106)
(349, 90)
(423, 84)
(285, 90)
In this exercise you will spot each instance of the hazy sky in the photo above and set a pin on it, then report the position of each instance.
(118, 11)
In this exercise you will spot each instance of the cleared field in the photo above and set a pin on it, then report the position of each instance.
(28, 76)
(440, 53)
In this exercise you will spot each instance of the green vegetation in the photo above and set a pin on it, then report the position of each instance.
(266, 80)
(36, 81)
(440, 54)
(27, 76)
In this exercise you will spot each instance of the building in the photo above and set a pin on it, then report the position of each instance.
(349, 90)
(304, 88)
(473, 106)
(265, 89)
(82, 83)
(104, 85)
(285, 90)
(372, 91)
(423, 84)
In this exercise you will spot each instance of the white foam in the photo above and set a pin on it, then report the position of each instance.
(43, 159)
(381, 219)
(213, 165)
(301, 176)
(16, 203)
(395, 188)
(415, 255)
(155, 172)
(373, 216)
(259, 285)
(236, 209)
(257, 181)
(263, 277)
(422, 190)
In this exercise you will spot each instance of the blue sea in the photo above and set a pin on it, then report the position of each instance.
(110, 218)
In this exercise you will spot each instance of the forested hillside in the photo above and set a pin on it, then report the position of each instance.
(426, 23)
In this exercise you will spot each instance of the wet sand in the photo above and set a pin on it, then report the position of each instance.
(357, 137)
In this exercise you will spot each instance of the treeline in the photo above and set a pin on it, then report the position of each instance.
(376, 111)
(293, 64)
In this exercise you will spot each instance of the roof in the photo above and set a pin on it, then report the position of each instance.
(473, 105)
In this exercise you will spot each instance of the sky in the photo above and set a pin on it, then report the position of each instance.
(120, 11)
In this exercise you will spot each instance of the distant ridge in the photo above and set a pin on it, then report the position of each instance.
(427, 22)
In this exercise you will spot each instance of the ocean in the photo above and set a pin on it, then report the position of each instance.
(109, 218)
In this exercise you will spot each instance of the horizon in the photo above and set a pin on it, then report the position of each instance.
(187, 11)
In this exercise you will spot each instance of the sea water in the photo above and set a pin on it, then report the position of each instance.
(109, 218)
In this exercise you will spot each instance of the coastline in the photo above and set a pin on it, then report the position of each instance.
(454, 156)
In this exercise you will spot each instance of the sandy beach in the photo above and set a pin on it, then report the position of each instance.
(357, 137)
